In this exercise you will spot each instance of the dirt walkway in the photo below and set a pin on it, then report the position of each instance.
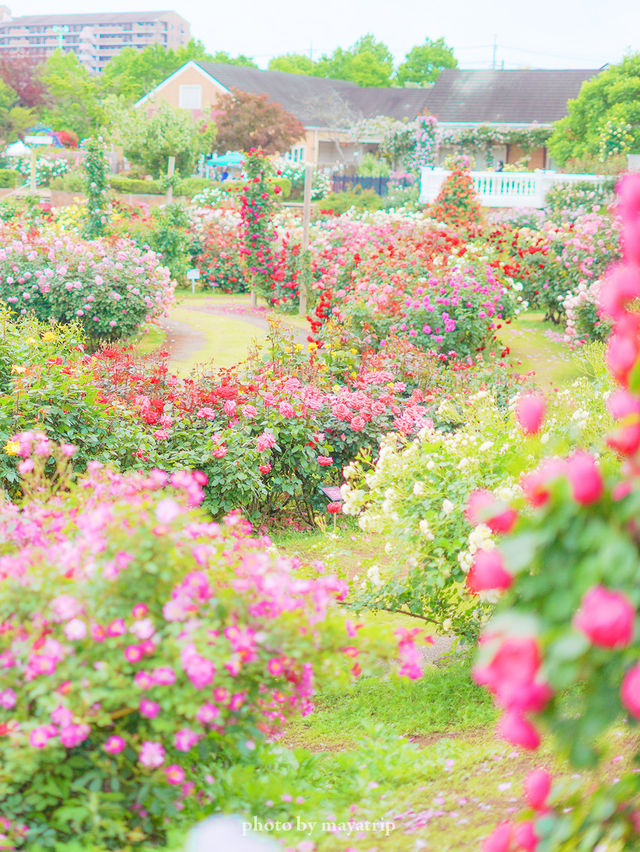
(183, 340)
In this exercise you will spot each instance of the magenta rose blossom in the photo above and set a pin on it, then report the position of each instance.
(530, 411)
(151, 754)
(630, 691)
(488, 572)
(606, 618)
(584, 477)
(537, 786)
(514, 728)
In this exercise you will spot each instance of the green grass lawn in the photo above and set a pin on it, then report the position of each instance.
(552, 362)
(227, 340)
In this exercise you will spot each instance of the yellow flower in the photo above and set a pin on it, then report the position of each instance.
(31, 340)
(12, 448)
(298, 347)
(48, 335)
(18, 368)
(312, 346)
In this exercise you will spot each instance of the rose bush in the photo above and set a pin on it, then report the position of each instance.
(415, 493)
(48, 382)
(110, 289)
(143, 647)
(561, 654)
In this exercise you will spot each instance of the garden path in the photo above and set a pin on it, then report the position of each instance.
(202, 330)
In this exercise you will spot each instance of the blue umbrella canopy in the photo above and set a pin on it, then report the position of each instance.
(232, 159)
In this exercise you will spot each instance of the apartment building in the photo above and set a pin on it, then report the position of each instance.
(94, 37)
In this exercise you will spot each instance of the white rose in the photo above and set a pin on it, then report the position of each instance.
(425, 530)
(418, 489)
(447, 507)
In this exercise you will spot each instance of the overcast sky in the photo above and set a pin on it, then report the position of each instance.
(537, 34)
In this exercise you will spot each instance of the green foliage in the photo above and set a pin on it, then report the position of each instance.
(424, 63)
(73, 95)
(294, 63)
(132, 73)
(607, 105)
(367, 63)
(38, 390)
(457, 203)
(172, 239)
(224, 58)
(10, 178)
(96, 185)
(357, 199)
(371, 166)
(415, 495)
(150, 138)
(135, 186)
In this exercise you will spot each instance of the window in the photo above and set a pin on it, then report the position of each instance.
(190, 97)
(296, 155)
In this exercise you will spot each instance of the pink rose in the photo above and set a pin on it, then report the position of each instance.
(174, 773)
(606, 618)
(584, 477)
(500, 839)
(530, 410)
(488, 572)
(484, 508)
(151, 754)
(114, 745)
(514, 728)
(537, 786)
(149, 709)
(630, 691)
(185, 739)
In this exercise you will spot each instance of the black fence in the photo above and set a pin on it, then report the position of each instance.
(342, 183)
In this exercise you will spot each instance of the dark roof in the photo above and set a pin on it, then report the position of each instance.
(475, 97)
(505, 96)
(83, 18)
(315, 101)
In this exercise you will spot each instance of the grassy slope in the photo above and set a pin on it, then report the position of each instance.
(531, 346)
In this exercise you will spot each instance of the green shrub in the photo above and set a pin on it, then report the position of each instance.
(133, 186)
(10, 178)
(71, 182)
(360, 199)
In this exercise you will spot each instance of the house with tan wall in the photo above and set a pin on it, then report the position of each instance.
(509, 101)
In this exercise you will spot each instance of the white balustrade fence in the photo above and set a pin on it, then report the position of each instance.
(506, 189)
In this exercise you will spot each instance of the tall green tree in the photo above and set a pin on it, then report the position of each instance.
(424, 62)
(15, 120)
(150, 136)
(294, 63)
(608, 106)
(224, 58)
(73, 95)
(367, 62)
(133, 73)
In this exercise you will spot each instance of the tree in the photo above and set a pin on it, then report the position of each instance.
(72, 102)
(607, 107)
(14, 120)
(21, 72)
(246, 121)
(367, 62)
(294, 63)
(133, 73)
(424, 62)
(223, 58)
(150, 137)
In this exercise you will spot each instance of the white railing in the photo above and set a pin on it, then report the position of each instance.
(506, 189)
